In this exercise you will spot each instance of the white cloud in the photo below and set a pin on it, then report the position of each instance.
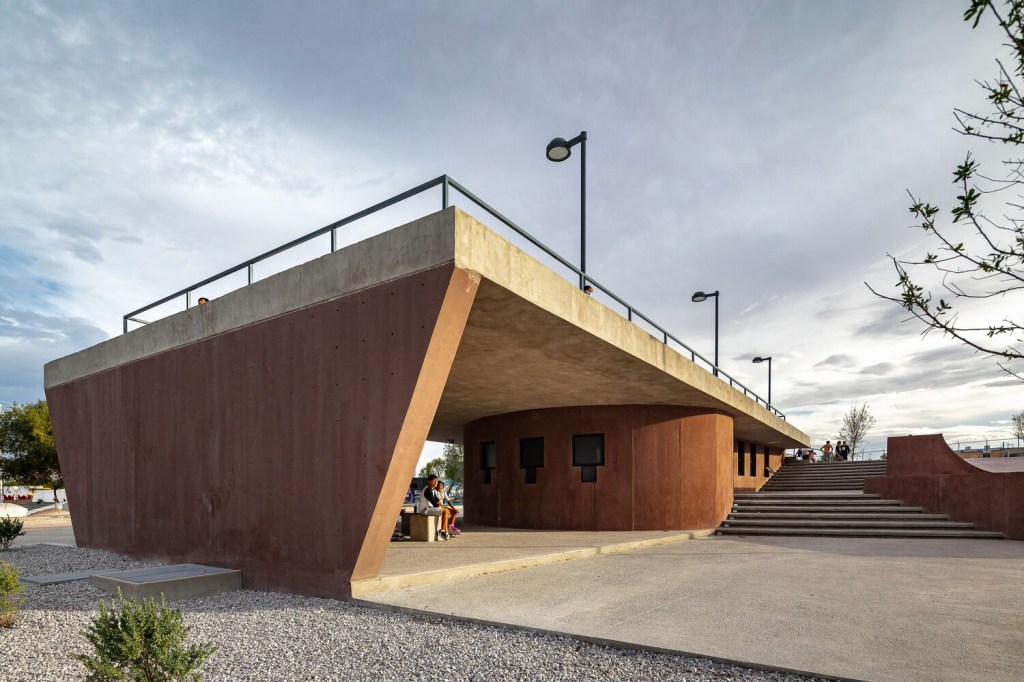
(756, 148)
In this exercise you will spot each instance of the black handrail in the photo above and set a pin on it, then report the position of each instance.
(446, 183)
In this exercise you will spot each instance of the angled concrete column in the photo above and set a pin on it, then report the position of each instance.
(281, 445)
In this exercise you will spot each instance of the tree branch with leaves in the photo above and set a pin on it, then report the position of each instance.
(977, 257)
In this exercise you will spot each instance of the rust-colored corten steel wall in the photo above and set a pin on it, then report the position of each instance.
(666, 468)
(924, 471)
(282, 448)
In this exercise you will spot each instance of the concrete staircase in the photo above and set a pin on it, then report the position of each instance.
(828, 500)
(800, 476)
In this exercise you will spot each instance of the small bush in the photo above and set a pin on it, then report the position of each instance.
(10, 594)
(10, 528)
(141, 642)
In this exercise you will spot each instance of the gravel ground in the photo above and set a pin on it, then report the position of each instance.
(267, 636)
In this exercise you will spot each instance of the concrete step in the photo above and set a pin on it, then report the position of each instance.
(886, 524)
(831, 468)
(822, 477)
(822, 509)
(819, 477)
(837, 498)
(810, 487)
(896, 515)
(863, 473)
(178, 581)
(870, 463)
(863, 532)
(811, 494)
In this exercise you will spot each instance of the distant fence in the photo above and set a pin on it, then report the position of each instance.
(989, 447)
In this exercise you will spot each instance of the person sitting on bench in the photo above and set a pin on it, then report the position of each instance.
(430, 505)
(453, 513)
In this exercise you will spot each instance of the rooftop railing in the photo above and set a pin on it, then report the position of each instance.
(447, 185)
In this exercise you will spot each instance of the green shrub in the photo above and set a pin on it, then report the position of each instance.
(141, 642)
(10, 528)
(10, 594)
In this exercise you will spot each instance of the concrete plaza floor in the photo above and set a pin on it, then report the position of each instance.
(482, 550)
(872, 609)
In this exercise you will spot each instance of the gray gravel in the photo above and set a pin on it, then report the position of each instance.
(267, 636)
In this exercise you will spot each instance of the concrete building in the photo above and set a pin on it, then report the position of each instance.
(326, 379)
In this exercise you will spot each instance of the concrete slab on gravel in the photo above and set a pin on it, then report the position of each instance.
(175, 582)
(57, 578)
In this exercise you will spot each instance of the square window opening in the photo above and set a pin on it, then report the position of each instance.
(588, 450)
(531, 452)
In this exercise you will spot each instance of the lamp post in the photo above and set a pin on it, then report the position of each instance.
(700, 297)
(559, 149)
(758, 360)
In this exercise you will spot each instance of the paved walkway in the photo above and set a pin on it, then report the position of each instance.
(481, 550)
(873, 609)
(48, 526)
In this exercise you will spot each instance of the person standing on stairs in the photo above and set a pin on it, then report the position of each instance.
(826, 451)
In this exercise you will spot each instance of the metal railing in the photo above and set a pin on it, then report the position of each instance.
(447, 184)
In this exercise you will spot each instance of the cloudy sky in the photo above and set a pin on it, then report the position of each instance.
(760, 148)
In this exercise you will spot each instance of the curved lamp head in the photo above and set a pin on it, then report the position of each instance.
(759, 360)
(558, 149)
(700, 296)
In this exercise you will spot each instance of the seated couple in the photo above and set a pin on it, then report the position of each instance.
(435, 502)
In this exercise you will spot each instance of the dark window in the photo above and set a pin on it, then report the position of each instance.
(488, 459)
(588, 451)
(531, 456)
(488, 455)
(753, 460)
(741, 451)
(531, 452)
(588, 454)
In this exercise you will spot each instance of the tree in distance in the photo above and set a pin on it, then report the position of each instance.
(434, 467)
(856, 424)
(27, 452)
(979, 255)
(449, 466)
(1017, 425)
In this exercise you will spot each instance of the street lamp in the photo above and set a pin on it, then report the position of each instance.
(758, 360)
(700, 297)
(559, 149)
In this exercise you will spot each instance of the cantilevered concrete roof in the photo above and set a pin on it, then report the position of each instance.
(533, 339)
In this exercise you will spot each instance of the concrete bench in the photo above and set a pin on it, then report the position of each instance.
(423, 528)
